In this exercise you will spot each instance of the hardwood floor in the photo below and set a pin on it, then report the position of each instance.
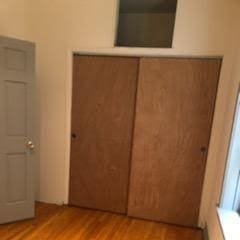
(62, 223)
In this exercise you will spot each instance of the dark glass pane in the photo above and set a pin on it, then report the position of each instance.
(146, 23)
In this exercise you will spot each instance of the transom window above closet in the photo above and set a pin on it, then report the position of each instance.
(146, 23)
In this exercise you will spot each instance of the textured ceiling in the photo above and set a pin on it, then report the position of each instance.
(151, 6)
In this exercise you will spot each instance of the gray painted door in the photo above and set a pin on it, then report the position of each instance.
(16, 130)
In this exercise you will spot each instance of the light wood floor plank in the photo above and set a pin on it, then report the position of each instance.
(69, 223)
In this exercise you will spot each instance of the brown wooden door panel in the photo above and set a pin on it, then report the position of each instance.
(104, 90)
(175, 105)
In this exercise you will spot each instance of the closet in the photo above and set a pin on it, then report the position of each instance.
(140, 135)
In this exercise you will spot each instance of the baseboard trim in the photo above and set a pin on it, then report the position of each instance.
(205, 233)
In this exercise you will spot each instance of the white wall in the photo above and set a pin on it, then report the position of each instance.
(12, 18)
(216, 165)
(59, 27)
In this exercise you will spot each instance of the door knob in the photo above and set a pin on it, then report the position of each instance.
(74, 135)
(30, 145)
(203, 149)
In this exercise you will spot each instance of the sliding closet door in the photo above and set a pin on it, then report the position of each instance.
(175, 105)
(104, 90)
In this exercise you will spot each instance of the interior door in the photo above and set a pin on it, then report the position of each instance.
(16, 130)
(103, 102)
(175, 105)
